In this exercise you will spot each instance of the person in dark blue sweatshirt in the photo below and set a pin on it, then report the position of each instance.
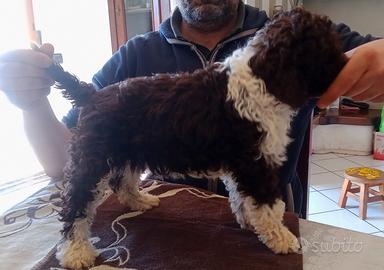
(197, 34)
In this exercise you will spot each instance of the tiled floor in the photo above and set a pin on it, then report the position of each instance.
(326, 180)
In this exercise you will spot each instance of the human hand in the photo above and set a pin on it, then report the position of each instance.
(23, 76)
(362, 78)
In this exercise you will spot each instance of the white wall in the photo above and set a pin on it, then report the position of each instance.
(362, 16)
(365, 17)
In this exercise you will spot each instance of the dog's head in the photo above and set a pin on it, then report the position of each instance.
(298, 56)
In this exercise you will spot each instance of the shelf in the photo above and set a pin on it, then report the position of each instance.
(348, 117)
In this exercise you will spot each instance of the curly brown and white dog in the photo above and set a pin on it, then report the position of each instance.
(230, 120)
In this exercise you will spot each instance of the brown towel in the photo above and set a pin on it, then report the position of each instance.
(191, 229)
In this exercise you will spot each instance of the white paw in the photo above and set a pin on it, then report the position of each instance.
(142, 201)
(76, 254)
(281, 241)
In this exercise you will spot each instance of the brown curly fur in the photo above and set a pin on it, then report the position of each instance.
(298, 50)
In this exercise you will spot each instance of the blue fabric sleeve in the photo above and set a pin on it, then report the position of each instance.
(119, 67)
(352, 39)
(287, 172)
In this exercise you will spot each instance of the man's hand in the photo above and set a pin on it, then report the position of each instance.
(362, 78)
(23, 77)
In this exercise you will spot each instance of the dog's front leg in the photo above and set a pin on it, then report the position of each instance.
(267, 223)
(263, 219)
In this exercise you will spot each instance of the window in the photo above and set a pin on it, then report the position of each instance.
(85, 47)
(16, 156)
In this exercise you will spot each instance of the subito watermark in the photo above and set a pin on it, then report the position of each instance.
(331, 245)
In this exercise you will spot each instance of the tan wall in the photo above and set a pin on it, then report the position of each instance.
(365, 16)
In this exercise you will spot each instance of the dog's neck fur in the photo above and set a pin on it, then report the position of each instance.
(253, 102)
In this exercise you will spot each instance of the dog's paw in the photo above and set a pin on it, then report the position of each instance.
(76, 254)
(281, 241)
(279, 209)
(143, 201)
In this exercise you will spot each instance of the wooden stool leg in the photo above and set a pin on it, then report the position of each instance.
(363, 201)
(343, 195)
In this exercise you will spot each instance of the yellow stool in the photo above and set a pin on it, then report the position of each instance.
(365, 179)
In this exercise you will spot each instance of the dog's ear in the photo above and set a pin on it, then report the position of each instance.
(298, 55)
(319, 54)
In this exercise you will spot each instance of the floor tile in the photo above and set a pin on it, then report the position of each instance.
(318, 203)
(334, 195)
(366, 161)
(379, 167)
(377, 188)
(339, 173)
(375, 214)
(322, 156)
(326, 180)
(327, 175)
(314, 169)
(335, 164)
(344, 219)
(381, 234)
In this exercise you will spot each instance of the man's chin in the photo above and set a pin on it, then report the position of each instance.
(209, 12)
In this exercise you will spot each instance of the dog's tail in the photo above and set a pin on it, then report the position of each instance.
(78, 92)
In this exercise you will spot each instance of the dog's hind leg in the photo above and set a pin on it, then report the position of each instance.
(77, 252)
(256, 211)
(87, 175)
(129, 194)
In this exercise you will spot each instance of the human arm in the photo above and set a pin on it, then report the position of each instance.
(362, 78)
(48, 138)
(24, 81)
(119, 67)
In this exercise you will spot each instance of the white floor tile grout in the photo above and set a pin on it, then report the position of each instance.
(317, 213)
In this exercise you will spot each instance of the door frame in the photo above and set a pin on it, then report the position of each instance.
(161, 10)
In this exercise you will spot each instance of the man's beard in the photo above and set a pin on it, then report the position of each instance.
(208, 15)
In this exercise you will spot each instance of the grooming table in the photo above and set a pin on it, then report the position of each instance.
(191, 229)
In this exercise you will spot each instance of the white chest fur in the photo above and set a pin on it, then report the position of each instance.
(253, 102)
